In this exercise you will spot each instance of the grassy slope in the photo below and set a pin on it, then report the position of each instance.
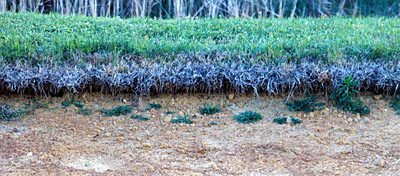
(35, 37)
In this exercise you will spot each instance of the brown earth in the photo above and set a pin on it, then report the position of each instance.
(57, 141)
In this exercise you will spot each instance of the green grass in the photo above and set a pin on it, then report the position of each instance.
(34, 104)
(155, 106)
(283, 120)
(180, 119)
(213, 123)
(280, 120)
(344, 98)
(117, 111)
(35, 37)
(68, 102)
(169, 112)
(84, 111)
(209, 110)
(140, 117)
(248, 117)
(395, 104)
(8, 113)
(305, 104)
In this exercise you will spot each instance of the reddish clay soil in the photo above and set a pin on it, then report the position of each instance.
(58, 141)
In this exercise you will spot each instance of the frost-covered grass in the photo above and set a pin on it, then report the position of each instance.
(35, 37)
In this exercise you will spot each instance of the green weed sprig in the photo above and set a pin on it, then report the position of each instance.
(117, 111)
(8, 113)
(395, 104)
(344, 98)
(184, 119)
(248, 117)
(140, 117)
(305, 104)
(209, 110)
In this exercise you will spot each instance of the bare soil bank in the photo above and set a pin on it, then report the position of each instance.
(57, 141)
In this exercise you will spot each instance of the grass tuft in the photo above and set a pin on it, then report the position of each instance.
(248, 117)
(140, 117)
(8, 113)
(209, 110)
(169, 112)
(117, 111)
(305, 104)
(283, 120)
(68, 102)
(344, 98)
(395, 104)
(295, 121)
(33, 104)
(84, 111)
(180, 119)
(214, 123)
(155, 106)
(280, 120)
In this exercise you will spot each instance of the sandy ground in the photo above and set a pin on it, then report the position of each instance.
(57, 141)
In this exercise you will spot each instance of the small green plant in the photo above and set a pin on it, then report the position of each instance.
(208, 110)
(180, 119)
(344, 98)
(295, 121)
(140, 117)
(305, 104)
(281, 120)
(79, 104)
(117, 111)
(169, 112)
(153, 106)
(248, 117)
(68, 102)
(33, 104)
(7, 113)
(395, 104)
(84, 111)
(214, 123)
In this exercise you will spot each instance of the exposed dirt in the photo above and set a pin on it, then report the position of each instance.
(57, 141)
